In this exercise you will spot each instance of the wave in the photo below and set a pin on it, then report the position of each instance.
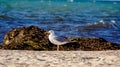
(102, 24)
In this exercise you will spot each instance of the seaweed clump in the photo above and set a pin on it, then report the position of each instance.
(95, 44)
(26, 38)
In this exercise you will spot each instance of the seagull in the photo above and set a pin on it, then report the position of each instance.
(57, 40)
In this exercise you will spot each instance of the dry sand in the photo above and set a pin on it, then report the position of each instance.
(24, 58)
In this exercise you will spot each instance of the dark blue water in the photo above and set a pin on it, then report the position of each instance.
(81, 18)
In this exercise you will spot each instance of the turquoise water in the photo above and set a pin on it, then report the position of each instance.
(79, 18)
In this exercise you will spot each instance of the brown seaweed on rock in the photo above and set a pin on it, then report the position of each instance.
(31, 38)
(95, 44)
(34, 38)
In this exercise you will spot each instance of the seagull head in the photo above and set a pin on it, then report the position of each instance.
(51, 32)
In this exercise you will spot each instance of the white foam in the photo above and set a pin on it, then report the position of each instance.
(71, 0)
(102, 21)
(113, 21)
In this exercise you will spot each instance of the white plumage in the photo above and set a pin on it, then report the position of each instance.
(57, 40)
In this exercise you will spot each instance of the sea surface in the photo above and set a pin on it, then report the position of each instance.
(79, 18)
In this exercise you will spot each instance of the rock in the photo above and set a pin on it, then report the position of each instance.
(4, 17)
(58, 18)
(95, 44)
(30, 37)
(34, 38)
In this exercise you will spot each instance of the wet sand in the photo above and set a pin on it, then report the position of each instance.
(25, 58)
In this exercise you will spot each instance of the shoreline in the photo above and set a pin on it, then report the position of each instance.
(28, 58)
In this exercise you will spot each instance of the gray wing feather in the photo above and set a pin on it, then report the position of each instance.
(61, 39)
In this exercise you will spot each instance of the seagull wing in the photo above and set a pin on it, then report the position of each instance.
(61, 39)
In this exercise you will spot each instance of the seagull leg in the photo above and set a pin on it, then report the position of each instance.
(57, 47)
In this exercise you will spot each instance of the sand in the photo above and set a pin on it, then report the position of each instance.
(24, 58)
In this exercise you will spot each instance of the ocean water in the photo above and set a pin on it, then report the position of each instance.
(79, 18)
